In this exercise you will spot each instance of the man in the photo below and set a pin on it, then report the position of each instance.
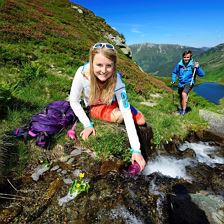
(186, 70)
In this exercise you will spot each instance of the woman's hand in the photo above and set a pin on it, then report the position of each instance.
(87, 132)
(139, 159)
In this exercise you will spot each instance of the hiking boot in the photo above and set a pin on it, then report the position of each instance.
(183, 112)
(180, 110)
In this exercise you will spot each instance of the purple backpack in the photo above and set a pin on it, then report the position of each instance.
(52, 120)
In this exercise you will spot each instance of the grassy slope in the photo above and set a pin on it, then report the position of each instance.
(44, 42)
(212, 62)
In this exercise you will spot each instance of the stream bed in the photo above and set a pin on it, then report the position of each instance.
(182, 185)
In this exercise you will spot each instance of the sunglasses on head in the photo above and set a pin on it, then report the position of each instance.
(102, 45)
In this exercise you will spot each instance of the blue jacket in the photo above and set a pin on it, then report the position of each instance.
(185, 74)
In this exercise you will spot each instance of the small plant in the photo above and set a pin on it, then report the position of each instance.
(79, 185)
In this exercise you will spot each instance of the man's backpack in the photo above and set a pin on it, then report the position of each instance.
(52, 120)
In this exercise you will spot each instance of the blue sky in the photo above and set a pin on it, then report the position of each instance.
(195, 23)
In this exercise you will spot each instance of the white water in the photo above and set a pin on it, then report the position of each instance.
(176, 168)
(204, 153)
(168, 166)
(125, 215)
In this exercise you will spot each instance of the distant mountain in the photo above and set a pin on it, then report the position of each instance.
(213, 63)
(160, 59)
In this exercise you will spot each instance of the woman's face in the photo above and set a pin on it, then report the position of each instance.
(103, 68)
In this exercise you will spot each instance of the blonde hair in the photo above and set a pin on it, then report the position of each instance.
(106, 93)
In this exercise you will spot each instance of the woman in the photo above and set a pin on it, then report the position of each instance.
(105, 93)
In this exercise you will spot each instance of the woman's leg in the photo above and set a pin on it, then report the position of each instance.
(137, 116)
(116, 116)
(112, 113)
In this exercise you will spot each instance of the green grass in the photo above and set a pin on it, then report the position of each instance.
(109, 140)
(43, 44)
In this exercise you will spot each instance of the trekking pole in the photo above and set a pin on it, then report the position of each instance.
(193, 76)
(173, 93)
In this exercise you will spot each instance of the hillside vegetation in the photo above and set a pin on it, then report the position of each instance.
(42, 45)
(213, 63)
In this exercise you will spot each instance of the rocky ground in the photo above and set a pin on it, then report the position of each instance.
(114, 195)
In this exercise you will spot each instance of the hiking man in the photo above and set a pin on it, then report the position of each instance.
(186, 70)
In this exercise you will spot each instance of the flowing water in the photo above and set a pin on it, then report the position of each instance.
(204, 153)
(182, 186)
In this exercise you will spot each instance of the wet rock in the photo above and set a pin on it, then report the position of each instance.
(8, 214)
(44, 201)
(201, 174)
(189, 153)
(111, 166)
(145, 135)
(117, 197)
(211, 204)
(216, 180)
(211, 136)
(183, 209)
(170, 148)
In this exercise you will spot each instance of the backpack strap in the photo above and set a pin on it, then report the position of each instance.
(21, 132)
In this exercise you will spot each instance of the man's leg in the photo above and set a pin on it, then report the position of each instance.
(184, 101)
(187, 88)
(180, 90)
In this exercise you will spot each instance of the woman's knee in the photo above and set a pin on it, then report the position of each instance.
(140, 119)
(184, 95)
(116, 116)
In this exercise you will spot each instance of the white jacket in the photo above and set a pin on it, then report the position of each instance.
(81, 85)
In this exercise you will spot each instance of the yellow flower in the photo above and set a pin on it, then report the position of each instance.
(81, 175)
(78, 185)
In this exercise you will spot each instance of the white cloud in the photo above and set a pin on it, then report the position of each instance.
(135, 30)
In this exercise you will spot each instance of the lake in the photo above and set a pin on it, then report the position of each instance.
(211, 91)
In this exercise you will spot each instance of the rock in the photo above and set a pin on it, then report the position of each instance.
(76, 152)
(183, 209)
(189, 153)
(39, 171)
(54, 168)
(215, 121)
(145, 135)
(125, 49)
(120, 42)
(77, 8)
(212, 205)
(44, 201)
(111, 166)
(8, 214)
(149, 104)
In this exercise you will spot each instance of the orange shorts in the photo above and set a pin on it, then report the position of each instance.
(103, 112)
